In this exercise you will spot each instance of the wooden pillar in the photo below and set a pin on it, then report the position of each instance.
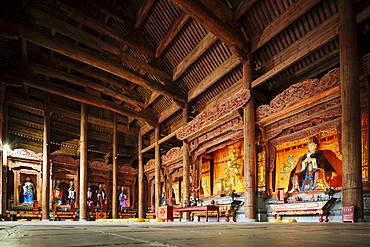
(46, 163)
(2, 142)
(83, 162)
(351, 112)
(141, 177)
(249, 148)
(114, 168)
(186, 165)
(157, 167)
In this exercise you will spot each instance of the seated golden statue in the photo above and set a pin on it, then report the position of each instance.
(314, 172)
(233, 175)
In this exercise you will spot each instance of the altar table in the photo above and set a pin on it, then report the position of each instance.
(206, 209)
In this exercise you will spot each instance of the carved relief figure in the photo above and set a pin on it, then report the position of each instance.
(233, 177)
(28, 191)
(315, 172)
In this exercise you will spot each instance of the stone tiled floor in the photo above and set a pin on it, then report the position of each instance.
(89, 234)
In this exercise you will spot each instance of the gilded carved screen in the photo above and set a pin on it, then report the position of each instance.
(228, 169)
(289, 157)
(206, 179)
(176, 191)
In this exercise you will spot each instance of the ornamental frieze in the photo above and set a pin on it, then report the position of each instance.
(299, 92)
(172, 155)
(24, 154)
(213, 113)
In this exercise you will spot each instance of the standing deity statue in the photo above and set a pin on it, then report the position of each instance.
(28, 191)
(58, 194)
(100, 197)
(71, 193)
(122, 199)
(89, 198)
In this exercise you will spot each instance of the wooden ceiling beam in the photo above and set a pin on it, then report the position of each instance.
(27, 78)
(70, 114)
(296, 10)
(162, 117)
(55, 73)
(219, 9)
(171, 34)
(209, 20)
(212, 78)
(93, 59)
(60, 26)
(143, 12)
(243, 8)
(313, 40)
(193, 56)
(134, 43)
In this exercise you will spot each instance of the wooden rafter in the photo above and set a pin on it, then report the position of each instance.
(143, 13)
(132, 97)
(93, 59)
(295, 11)
(45, 19)
(198, 51)
(209, 20)
(171, 34)
(49, 87)
(70, 114)
(219, 9)
(135, 43)
(212, 78)
(313, 40)
(243, 8)
(55, 73)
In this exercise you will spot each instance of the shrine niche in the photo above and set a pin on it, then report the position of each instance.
(25, 175)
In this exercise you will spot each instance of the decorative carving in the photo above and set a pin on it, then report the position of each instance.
(63, 159)
(25, 154)
(172, 155)
(149, 165)
(299, 92)
(213, 113)
(365, 65)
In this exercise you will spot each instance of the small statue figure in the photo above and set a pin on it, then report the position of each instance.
(162, 200)
(122, 199)
(100, 196)
(71, 193)
(58, 194)
(89, 198)
(28, 191)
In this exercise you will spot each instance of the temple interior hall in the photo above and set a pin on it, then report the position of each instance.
(182, 122)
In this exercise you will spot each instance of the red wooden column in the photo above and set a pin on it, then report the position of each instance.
(157, 167)
(83, 162)
(46, 163)
(114, 168)
(350, 100)
(141, 177)
(186, 164)
(2, 143)
(249, 148)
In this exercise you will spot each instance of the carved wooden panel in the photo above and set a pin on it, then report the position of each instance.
(24, 154)
(172, 155)
(298, 93)
(212, 114)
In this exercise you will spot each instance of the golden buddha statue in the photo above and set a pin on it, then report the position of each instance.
(233, 175)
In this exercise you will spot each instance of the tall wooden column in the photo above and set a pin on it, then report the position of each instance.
(83, 162)
(114, 168)
(249, 148)
(186, 165)
(141, 176)
(157, 168)
(46, 163)
(2, 143)
(350, 100)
